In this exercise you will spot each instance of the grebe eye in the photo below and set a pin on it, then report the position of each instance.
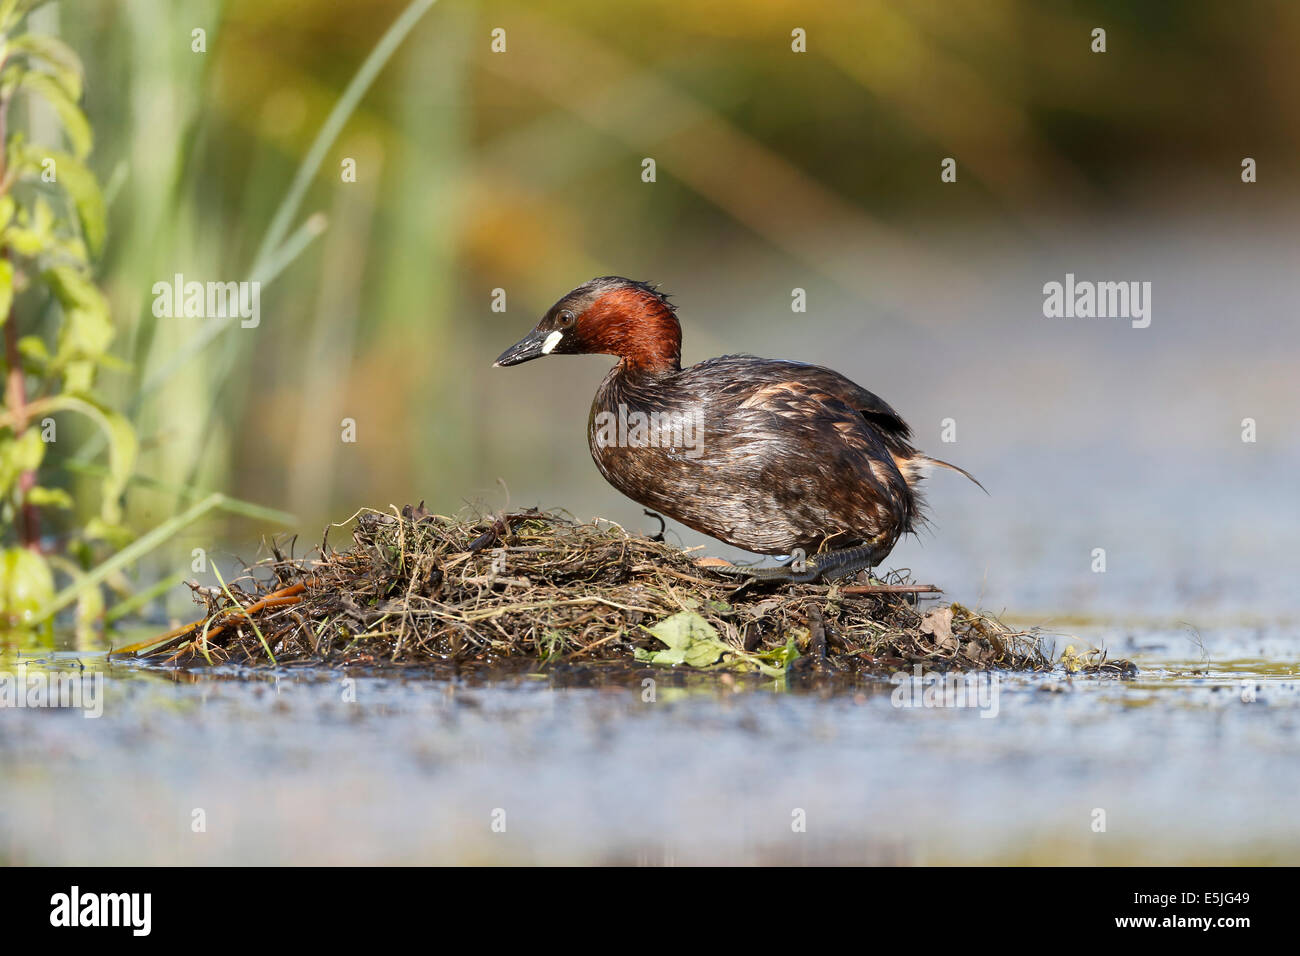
(566, 318)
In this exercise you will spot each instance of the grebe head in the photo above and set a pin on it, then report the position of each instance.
(610, 316)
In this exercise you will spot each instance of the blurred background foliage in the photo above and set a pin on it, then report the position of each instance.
(521, 170)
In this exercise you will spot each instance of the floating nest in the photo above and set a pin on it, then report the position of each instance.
(417, 588)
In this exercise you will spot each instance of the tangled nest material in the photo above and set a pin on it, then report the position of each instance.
(417, 589)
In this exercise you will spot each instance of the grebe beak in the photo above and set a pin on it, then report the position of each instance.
(533, 345)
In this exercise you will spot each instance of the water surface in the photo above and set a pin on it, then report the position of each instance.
(1194, 761)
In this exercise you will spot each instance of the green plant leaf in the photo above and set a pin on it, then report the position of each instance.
(35, 356)
(17, 455)
(73, 289)
(31, 232)
(82, 188)
(49, 498)
(691, 640)
(122, 451)
(70, 115)
(22, 240)
(782, 656)
(87, 328)
(42, 219)
(61, 60)
(13, 11)
(68, 251)
(112, 533)
(33, 347)
(26, 586)
(6, 289)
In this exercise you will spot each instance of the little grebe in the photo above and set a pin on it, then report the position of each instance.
(774, 457)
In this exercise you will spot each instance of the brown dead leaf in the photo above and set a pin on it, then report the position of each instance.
(939, 623)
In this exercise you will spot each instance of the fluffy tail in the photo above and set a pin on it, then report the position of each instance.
(911, 468)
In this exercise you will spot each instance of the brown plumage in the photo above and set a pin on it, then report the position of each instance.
(767, 455)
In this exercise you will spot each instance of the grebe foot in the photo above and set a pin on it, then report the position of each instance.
(785, 573)
(832, 566)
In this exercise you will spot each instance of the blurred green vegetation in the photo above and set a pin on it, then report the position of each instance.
(520, 170)
(57, 327)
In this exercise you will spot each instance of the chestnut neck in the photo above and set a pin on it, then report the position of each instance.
(639, 328)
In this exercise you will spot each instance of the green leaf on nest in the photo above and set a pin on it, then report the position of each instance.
(693, 641)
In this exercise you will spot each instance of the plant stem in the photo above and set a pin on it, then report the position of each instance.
(29, 519)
